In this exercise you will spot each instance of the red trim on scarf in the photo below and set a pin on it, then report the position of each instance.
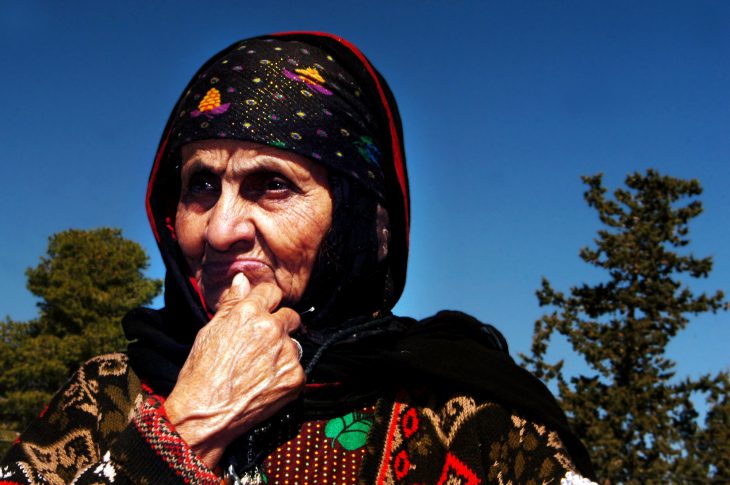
(150, 184)
(194, 282)
(168, 220)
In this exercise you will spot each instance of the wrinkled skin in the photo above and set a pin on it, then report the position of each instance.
(249, 222)
(250, 208)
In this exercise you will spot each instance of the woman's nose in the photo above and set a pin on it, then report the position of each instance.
(230, 223)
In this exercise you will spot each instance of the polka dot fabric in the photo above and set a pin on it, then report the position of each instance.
(285, 94)
(314, 457)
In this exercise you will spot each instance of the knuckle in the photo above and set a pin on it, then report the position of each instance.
(300, 376)
(294, 381)
(289, 318)
(292, 317)
(268, 327)
(248, 307)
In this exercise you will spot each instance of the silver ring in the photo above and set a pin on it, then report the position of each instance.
(300, 350)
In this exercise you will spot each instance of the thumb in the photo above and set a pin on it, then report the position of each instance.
(240, 288)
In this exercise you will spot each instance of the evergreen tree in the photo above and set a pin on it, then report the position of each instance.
(86, 282)
(635, 418)
(707, 451)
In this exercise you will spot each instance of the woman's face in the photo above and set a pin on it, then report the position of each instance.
(250, 208)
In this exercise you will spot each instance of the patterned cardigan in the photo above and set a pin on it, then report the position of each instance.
(104, 426)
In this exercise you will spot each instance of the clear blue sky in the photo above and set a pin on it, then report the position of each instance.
(505, 106)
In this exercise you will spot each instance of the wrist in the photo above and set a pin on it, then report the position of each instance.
(200, 432)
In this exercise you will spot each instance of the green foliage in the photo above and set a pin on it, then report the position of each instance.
(638, 422)
(86, 282)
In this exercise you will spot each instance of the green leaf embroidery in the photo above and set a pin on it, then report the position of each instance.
(350, 431)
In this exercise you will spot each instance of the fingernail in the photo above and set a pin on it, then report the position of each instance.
(237, 280)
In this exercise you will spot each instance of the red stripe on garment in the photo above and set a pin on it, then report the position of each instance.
(389, 443)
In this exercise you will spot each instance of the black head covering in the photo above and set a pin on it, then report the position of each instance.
(318, 96)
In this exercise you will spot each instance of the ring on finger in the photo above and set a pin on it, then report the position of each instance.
(300, 350)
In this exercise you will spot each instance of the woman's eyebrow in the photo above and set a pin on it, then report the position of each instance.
(267, 163)
(196, 164)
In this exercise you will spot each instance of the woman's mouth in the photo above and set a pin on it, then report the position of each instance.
(221, 273)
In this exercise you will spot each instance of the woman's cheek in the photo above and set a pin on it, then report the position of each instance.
(189, 234)
(295, 246)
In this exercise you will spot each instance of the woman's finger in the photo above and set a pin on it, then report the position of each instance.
(289, 318)
(239, 289)
(267, 295)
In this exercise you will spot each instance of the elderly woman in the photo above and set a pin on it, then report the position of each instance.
(279, 200)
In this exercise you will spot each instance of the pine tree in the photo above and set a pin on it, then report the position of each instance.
(86, 282)
(635, 418)
(707, 450)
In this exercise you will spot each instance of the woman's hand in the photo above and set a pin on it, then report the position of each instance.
(242, 369)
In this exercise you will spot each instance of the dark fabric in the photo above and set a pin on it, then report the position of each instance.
(450, 352)
(347, 278)
(85, 436)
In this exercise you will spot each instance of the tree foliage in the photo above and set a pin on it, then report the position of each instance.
(637, 420)
(86, 282)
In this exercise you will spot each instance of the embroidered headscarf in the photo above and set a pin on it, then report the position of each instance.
(318, 96)
(289, 95)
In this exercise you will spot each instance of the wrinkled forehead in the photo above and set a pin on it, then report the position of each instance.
(237, 159)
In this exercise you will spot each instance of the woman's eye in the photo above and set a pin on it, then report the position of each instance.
(202, 183)
(277, 184)
(269, 184)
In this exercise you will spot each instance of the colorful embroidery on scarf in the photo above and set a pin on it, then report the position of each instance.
(310, 77)
(210, 105)
(368, 150)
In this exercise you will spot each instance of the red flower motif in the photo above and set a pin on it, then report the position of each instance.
(402, 465)
(409, 422)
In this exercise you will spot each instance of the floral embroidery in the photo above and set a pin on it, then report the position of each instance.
(410, 422)
(210, 105)
(309, 76)
(350, 431)
(402, 465)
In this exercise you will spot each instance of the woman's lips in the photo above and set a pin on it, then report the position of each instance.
(222, 272)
